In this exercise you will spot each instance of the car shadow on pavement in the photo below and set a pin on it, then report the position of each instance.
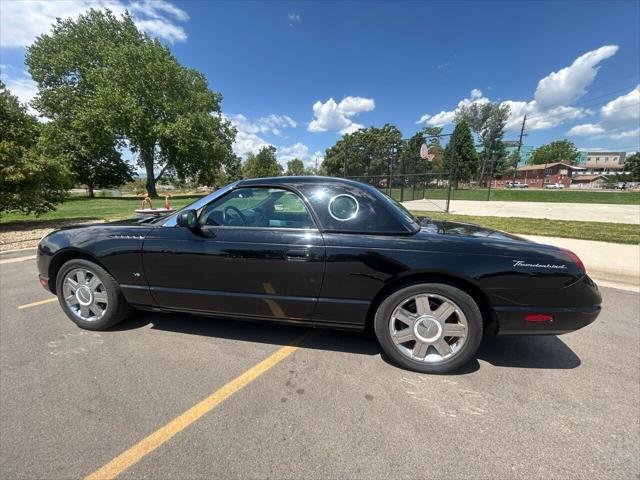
(253, 331)
(528, 351)
(541, 352)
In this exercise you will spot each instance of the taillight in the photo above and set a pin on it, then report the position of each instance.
(575, 259)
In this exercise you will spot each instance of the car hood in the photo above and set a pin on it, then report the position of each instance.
(460, 229)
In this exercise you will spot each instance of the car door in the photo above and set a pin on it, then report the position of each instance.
(256, 253)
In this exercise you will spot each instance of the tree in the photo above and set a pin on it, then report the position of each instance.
(230, 172)
(499, 161)
(487, 120)
(264, 164)
(99, 66)
(29, 181)
(90, 150)
(460, 154)
(410, 160)
(558, 151)
(433, 135)
(369, 151)
(632, 165)
(232, 169)
(295, 167)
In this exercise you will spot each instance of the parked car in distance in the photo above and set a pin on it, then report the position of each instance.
(555, 186)
(322, 252)
(517, 185)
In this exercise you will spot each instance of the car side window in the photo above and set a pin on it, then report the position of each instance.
(354, 209)
(258, 207)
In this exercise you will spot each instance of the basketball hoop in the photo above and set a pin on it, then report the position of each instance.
(424, 153)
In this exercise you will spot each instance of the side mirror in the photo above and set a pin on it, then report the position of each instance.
(187, 218)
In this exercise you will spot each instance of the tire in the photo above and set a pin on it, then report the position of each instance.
(98, 293)
(414, 320)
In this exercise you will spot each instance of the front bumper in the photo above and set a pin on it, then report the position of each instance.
(511, 320)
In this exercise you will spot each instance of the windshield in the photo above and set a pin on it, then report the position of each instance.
(410, 217)
(198, 204)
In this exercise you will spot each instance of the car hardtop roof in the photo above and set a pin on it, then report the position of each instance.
(293, 180)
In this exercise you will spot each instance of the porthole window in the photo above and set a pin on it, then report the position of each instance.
(343, 207)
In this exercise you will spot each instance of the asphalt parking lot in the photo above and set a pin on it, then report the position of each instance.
(531, 407)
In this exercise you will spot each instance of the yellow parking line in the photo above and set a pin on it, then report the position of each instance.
(41, 302)
(134, 454)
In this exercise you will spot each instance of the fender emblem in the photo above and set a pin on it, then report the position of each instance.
(522, 263)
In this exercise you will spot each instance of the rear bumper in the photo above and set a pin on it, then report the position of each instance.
(511, 320)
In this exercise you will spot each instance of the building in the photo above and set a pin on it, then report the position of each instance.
(588, 181)
(537, 176)
(603, 163)
(525, 151)
(582, 158)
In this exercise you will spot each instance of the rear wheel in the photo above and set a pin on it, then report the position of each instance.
(429, 328)
(90, 296)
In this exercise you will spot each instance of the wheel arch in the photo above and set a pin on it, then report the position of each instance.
(489, 318)
(62, 257)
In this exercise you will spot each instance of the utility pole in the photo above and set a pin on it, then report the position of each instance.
(515, 166)
(344, 170)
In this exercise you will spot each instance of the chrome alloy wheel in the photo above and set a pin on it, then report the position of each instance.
(428, 328)
(85, 294)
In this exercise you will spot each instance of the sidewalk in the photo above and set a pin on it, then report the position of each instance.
(609, 264)
(586, 212)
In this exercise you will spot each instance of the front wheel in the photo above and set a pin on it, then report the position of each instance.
(90, 296)
(429, 327)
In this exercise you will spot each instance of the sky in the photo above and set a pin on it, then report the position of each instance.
(298, 75)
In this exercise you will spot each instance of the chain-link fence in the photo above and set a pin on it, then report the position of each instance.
(431, 190)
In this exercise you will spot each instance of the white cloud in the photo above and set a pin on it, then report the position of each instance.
(629, 134)
(21, 85)
(570, 83)
(293, 18)
(300, 151)
(553, 98)
(351, 106)
(21, 22)
(155, 8)
(248, 139)
(332, 116)
(623, 110)
(586, 130)
(248, 143)
(273, 123)
(619, 119)
(163, 29)
(446, 117)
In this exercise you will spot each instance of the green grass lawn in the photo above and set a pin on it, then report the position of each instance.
(97, 208)
(604, 232)
(533, 195)
(118, 208)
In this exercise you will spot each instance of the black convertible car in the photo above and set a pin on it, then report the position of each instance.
(322, 252)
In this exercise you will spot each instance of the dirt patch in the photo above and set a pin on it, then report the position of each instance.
(28, 234)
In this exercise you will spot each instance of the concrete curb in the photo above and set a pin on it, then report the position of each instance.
(611, 264)
(19, 252)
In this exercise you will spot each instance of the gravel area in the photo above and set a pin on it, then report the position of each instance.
(28, 234)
